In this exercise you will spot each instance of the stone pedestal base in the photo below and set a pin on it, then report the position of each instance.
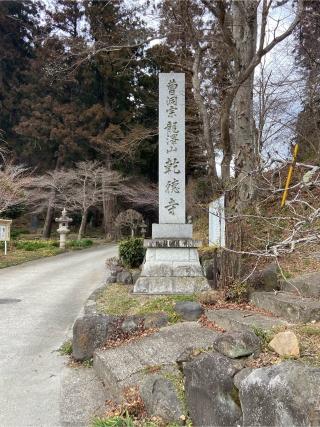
(171, 267)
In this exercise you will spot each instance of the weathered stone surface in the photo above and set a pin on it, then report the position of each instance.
(160, 398)
(240, 320)
(124, 277)
(82, 397)
(210, 393)
(207, 267)
(237, 344)
(89, 333)
(160, 231)
(135, 275)
(131, 323)
(285, 344)
(281, 395)
(170, 285)
(288, 306)
(110, 276)
(241, 375)
(189, 310)
(308, 284)
(122, 366)
(270, 278)
(156, 320)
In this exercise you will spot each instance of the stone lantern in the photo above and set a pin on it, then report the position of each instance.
(63, 229)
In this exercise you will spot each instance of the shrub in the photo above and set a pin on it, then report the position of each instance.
(237, 292)
(82, 243)
(131, 252)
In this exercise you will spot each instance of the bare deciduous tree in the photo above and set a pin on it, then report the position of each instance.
(14, 181)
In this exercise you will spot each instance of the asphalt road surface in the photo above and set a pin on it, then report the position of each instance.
(39, 302)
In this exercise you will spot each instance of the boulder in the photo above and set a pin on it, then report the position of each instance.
(160, 398)
(281, 395)
(89, 333)
(207, 267)
(131, 324)
(211, 396)
(285, 344)
(156, 320)
(241, 375)
(124, 277)
(135, 275)
(237, 344)
(110, 276)
(189, 310)
(270, 277)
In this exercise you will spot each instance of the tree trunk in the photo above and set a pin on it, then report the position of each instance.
(46, 233)
(207, 134)
(245, 37)
(83, 225)
(109, 209)
(244, 16)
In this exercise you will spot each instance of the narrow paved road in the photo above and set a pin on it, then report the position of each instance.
(39, 302)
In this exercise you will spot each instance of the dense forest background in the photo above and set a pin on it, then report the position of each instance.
(78, 103)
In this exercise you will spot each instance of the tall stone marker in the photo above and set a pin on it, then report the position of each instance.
(172, 263)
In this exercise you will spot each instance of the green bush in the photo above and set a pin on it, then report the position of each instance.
(34, 245)
(131, 252)
(82, 243)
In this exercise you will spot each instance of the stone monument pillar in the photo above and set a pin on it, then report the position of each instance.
(172, 263)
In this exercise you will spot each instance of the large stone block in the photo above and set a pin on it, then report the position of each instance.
(160, 398)
(210, 392)
(89, 333)
(289, 306)
(282, 395)
(126, 365)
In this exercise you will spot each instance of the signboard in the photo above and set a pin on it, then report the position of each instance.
(5, 225)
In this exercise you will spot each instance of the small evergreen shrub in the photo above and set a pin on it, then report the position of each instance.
(131, 252)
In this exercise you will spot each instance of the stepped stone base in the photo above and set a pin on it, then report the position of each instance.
(171, 266)
(289, 306)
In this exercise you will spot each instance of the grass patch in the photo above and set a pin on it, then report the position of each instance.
(19, 256)
(119, 300)
(66, 348)
(34, 245)
(20, 251)
(79, 244)
(309, 330)
(116, 421)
